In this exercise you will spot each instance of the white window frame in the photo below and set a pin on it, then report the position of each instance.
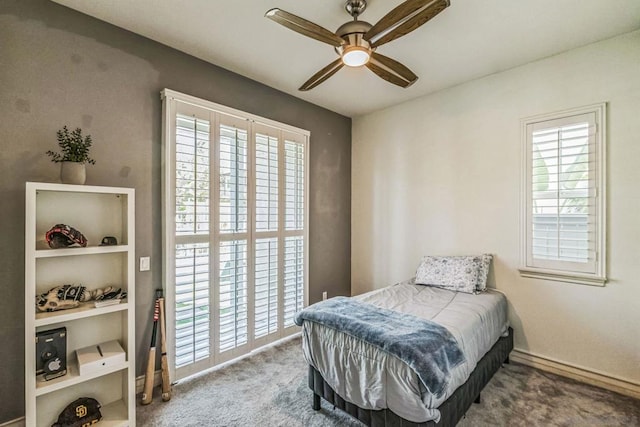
(558, 270)
(252, 123)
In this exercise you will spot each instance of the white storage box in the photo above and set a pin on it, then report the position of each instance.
(100, 356)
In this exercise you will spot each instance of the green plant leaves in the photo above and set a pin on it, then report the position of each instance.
(74, 147)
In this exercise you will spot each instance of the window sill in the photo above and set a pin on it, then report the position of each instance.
(581, 279)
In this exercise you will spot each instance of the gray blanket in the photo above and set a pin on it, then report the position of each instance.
(428, 348)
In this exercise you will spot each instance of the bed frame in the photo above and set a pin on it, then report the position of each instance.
(451, 410)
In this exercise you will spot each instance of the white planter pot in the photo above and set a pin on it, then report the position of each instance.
(73, 173)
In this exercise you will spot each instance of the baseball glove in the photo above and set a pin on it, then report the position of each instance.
(62, 236)
(62, 298)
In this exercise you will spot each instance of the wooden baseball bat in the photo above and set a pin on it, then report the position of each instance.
(147, 392)
(166, 379)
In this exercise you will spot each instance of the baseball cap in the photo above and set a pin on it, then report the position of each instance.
(80, 412)
(109, 241)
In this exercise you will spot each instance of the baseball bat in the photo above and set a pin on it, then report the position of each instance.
(166, 379)
(147, 392)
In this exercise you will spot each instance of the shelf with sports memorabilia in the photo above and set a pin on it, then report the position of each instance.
(113, 409)
(79, 285)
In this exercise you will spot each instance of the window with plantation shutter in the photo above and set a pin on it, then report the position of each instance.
(192, 199)
(563, 210)
(233, 208)
(235, 231)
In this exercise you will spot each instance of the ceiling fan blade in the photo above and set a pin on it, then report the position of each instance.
(322, 75)
(391, 73)
(304, 27)
(403, 19)
(395, 67)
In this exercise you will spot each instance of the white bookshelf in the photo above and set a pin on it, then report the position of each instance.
(96, 212)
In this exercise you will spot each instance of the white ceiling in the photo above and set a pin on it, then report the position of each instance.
(470, 39)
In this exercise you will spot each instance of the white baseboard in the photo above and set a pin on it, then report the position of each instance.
(598, 379)
(18, 422)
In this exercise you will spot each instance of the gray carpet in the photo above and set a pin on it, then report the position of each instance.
(270, 389)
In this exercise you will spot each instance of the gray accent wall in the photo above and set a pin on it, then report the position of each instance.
(60, 67)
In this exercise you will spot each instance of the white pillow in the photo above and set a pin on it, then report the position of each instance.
(456, 273)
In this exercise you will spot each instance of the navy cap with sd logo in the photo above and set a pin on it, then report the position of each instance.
(81, 412)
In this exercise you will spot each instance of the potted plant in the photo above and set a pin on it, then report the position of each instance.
(74, 156)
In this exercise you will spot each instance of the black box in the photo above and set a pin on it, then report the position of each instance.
(51, 353)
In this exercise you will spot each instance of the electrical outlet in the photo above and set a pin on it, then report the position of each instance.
(145, 263)
(324, 295)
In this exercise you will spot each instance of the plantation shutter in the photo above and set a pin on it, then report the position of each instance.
(192, 250)
(563, 205)
(233, 198)
(266, 287)
(294, 218)
(235, 220)
(267, 270)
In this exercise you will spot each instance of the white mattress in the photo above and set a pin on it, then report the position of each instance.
(372, 379)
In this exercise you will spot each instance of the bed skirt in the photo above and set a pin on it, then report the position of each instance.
(451, 410)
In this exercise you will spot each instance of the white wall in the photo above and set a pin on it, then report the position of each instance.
(441, 175)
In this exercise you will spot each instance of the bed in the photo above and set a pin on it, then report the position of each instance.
(378, 388)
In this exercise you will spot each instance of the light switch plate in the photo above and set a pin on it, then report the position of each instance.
(145, 263)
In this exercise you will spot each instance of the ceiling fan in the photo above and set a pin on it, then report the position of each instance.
(356, 41)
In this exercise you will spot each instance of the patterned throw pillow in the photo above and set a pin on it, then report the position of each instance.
(456, 273)
(484, 272)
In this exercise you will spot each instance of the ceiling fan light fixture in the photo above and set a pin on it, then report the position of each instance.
(356, 41)
(355, 56)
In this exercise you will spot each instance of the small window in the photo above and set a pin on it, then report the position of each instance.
(563, 207)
